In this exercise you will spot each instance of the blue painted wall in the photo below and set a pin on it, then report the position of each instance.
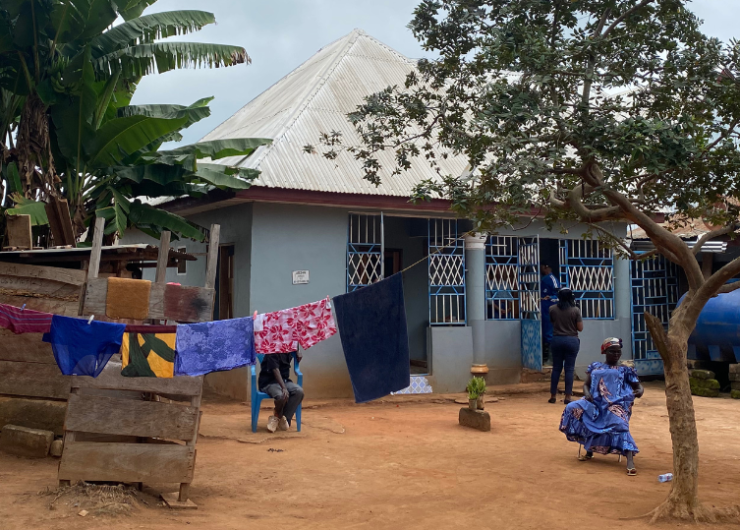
(273, 240)
(286, 238)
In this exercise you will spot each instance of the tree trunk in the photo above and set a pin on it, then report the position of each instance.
(683, 500)
(33, 149)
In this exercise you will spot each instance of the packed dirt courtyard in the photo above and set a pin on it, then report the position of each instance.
(404, 463)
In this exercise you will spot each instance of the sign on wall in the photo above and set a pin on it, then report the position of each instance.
(300, 277)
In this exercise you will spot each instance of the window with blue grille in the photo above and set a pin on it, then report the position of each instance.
(587, 268)
(446, 274)
(364, 251)
(502, 278)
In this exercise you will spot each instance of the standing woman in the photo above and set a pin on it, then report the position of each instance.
(566, 322)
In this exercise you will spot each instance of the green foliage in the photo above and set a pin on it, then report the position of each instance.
(476, 387)
(581, 110)
(101, 153)
(28, 207)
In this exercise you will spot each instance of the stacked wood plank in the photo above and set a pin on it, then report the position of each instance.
(27, 364)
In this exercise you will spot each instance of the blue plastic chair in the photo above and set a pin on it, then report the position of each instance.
(258, 396)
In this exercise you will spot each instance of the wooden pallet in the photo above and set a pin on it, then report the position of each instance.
(138, 429)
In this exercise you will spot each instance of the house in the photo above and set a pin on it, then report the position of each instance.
(311, 228)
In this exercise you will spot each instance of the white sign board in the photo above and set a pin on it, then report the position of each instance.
(300, 277)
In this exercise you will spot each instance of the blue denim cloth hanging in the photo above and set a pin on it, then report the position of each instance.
(214, 346)
(82, 348)
(375, 339)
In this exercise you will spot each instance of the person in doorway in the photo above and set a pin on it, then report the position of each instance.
(567, 323)
(548, 297)
(601, 420)
(274, 380)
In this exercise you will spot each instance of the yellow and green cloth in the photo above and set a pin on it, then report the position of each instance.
(148, 354)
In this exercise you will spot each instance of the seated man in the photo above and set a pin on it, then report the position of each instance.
(274, 380)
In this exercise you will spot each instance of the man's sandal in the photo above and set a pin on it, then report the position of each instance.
(584, 458)
(631, 472)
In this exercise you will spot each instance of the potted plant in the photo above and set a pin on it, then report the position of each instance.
(476, 388)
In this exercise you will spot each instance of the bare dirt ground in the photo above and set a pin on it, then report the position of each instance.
(403, 464)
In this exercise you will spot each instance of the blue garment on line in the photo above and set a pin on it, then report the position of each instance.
(602, 426)
(214, 346)
(372, 326)
(81, 348)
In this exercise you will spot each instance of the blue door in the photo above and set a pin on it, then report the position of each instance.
(529, 289)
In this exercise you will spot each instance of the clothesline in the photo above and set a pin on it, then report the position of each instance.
(422, 260)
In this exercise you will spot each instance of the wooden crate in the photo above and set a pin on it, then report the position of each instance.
(138, 429)
(123, 429)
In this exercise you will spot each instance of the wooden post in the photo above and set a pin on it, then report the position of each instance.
(212, 260)
(97, 248)
(163, 257)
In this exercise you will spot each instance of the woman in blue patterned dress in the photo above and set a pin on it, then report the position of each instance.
(600, 421)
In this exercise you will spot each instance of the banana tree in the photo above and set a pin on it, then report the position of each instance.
(66, 76)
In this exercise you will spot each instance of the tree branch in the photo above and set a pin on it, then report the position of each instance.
(729, 287)
(711, 235)
(633, 255)
(663, 239)
(623, 16)
(716, 282)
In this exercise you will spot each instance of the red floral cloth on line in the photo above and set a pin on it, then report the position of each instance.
(282, 331)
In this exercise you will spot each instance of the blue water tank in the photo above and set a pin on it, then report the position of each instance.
(717, 333)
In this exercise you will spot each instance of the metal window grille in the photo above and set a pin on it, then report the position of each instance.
(446, 274)
(654, 289)
(502, 278)
(364, 250)
(529, 278)
(587, 268)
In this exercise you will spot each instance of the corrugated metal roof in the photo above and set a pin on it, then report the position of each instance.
(313, 99)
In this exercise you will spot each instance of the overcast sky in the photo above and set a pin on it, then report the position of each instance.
(281, 34)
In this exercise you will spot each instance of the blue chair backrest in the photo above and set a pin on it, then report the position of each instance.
(261, 357)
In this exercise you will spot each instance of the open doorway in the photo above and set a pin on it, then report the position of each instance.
(224, 306)
(550, 255)
(406, 242)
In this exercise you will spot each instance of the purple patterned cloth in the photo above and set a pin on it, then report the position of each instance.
(214, 346)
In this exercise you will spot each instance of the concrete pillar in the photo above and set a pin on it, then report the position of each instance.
(475, 282)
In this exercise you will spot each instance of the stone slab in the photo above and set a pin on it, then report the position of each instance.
(735, 368)
(734, 376)
(694, 364)
(710, 384)
(701, 374)
(22, 441)
(735, 385)
(705, 392)
(33, 413)
(475, 419)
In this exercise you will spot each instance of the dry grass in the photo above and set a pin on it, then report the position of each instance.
(96, 499)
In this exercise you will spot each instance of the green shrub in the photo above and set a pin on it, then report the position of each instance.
(476, 387)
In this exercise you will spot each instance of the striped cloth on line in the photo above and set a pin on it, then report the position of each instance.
(20, 320)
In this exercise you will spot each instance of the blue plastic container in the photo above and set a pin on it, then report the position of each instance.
(717, 333)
